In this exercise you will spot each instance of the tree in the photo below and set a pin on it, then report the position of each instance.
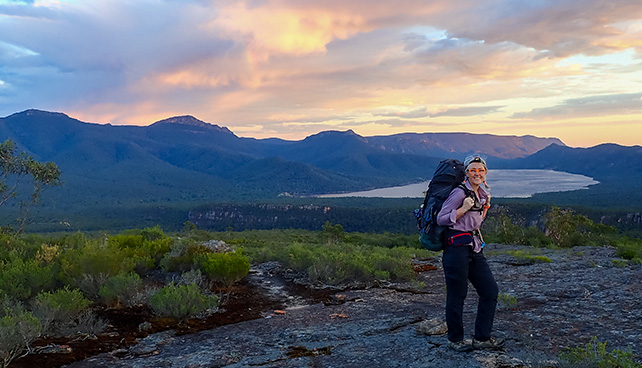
(568, 229)
(333, 233)
(15, 168)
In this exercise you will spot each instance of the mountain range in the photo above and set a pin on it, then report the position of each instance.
(183, 159)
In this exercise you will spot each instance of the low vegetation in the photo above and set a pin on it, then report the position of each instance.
(182, 301)
(50, 285)
(562, 228)
(596, 354)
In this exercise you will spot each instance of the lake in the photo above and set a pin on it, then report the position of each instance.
(503, 183)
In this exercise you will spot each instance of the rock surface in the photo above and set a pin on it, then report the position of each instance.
(580, 294)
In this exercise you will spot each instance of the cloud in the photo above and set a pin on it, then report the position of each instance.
(261, 64)
(467, 111)
(558, 29)
(413, 114)
(603, 105)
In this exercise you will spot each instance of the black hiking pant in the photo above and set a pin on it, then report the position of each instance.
(461, 265)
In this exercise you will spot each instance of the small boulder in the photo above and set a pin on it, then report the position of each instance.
(435, 326)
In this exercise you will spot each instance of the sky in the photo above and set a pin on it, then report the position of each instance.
(570, 69)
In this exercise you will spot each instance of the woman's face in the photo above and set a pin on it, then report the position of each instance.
(476, 173)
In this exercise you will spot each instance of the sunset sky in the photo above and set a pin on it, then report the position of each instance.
(570, 69)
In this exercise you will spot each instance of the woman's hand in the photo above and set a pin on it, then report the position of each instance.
(468, 204)
(486, 207)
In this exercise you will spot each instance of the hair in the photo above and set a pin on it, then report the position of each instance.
(476, 159)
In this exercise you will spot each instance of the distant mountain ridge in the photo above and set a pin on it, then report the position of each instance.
(185, 159)
(190, 120)
(445, 144)
(604, 161)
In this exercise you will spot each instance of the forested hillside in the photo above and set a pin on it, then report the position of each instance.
(165, 173)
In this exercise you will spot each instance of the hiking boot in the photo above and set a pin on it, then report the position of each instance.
(463, 345)
(492, 343)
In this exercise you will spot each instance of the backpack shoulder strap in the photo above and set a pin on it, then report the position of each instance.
(471, 194)
(467, 191)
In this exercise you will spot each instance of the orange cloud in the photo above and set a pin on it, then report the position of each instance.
(277, 29)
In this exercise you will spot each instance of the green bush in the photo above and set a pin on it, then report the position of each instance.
(224, 268)
(22, 279)
(121, 289)
(595, 354)
(147, 248)
(619, 263)
(59, 307)
(297, 256)
(501, 229)
(181, 301)
(335, 268)
(153, 233)
(183, 256)
(9, 243)
(18, 329)
(346, 263)
(91, 264)
(630, 249)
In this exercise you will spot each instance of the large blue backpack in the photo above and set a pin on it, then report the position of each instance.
(448, 175)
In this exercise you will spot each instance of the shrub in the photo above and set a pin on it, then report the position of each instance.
(594, 354)
(121, 289)
(18, 329)
(147, 248)
(183, 256)
(224, 268)
(59, 307)
(85, 323)
(619, 263)
(10, 242)
(153, 233)
(501, 229)
(398, 262)
(47, 254)
(346, 263)
(630, 249)
(90, 266)
(22, 279)
(334, 268)
(181, 301)
(507, 301)
(297, 256)
(195, 277)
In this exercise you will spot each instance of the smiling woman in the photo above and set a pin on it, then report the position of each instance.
(506, 183)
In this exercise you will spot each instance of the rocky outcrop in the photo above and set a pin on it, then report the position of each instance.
(581, 293)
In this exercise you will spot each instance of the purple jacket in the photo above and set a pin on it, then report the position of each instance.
(470, 221)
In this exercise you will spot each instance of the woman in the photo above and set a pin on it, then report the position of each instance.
(463, 259)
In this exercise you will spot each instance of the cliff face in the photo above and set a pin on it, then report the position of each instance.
(544, 307)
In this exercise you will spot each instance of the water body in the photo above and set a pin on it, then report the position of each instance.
(503, 183)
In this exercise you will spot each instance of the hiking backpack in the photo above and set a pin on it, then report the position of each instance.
(448, 175)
